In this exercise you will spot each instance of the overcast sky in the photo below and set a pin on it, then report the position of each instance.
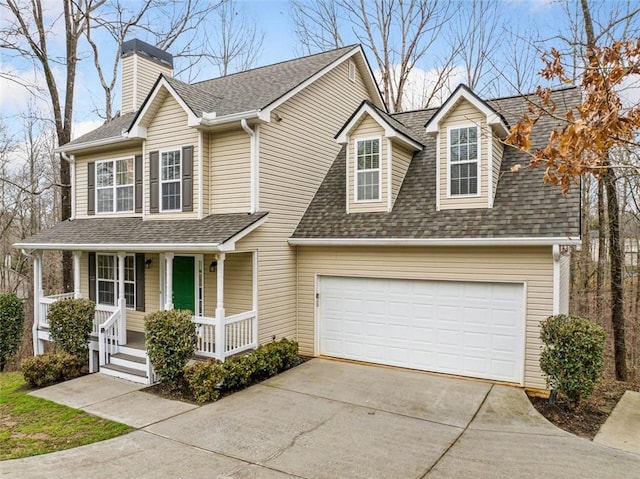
(273, 18)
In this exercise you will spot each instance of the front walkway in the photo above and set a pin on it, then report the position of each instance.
(114, 399)
(328, 419)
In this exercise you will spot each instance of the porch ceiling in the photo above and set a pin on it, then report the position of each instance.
(212, 233)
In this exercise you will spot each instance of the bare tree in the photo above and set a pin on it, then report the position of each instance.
(399, 34)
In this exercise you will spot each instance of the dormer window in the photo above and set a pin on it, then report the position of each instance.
(463, 161)
(368, 170)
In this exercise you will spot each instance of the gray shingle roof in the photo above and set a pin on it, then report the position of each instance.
(524, 206)
(244, 91)
(213, 229)
(111, 129)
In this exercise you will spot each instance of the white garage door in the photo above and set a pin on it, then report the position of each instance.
(463, 328)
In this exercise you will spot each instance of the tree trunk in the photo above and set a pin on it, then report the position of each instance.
(616, 260)
(585, 255)
(602, 245)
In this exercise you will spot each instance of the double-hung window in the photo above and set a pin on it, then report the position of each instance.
(463, 161)
(368, 170)
(170, 180)
(114, 185)
(107, 279)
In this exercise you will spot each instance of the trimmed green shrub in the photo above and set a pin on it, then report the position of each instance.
(208, 380)
(171, 340)
(52, 368)
(571, 358)
(70, 325)
(11, 324)
(205, 380)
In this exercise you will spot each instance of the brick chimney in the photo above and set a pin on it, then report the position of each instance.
(141, 65)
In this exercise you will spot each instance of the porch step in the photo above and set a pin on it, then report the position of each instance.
(129, 361)
(133, 351)
(124, 372)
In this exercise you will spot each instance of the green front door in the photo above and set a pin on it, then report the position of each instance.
(184, 291)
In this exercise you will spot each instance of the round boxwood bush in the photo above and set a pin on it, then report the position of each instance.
(11, 324)
(70, 325)
(171, 341)
(571, 358)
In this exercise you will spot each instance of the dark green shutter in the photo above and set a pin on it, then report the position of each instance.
(138, 180)
(91, 188)
(92, 276)
(139, 281)
(187, 178)
(154, 170)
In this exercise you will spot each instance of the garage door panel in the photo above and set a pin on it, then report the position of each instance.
(473, 329)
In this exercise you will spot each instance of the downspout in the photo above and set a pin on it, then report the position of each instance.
(72, 163)
(556, 279)
(254, 164)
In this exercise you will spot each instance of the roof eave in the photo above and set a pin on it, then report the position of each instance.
(87, 145)
(543, 241)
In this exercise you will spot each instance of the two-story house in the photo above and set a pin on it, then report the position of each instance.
(285, 201)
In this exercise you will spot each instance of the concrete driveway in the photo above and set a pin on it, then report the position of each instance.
(329, 419)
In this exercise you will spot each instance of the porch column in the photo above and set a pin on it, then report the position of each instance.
(220, 328)
(122, 302)
(76, 274)
(168, 288)
(38, 347)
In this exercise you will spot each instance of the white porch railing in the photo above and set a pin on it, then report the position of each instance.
(45, 304)
(108, 335)
(102, 314)
(240, 334)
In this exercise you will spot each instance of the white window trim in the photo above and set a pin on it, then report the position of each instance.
(161, 181)
(479, 147)
(356, 171)
(116, 280)
(114, 186)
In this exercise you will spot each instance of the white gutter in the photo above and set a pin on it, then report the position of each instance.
(254, 164)
(72, 164)
(210, 119)
(93, 144)
(434, 241)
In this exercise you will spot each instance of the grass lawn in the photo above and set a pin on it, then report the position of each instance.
(30, 426)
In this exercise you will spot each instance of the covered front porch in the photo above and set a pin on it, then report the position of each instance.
(131, 266)
(219, 289)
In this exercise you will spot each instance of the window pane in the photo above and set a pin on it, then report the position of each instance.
(106, 292)
(130, 294)
(124, 198)
(124, 172)
(171, 196)
(129, 268)
(105, 200)
(368, 185)
(473, 151)
(106, 266)
(463, 135)
(473, 134)
(104, 174)
(454, 137)
(170, 165)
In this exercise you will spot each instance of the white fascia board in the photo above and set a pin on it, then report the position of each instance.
(389, 131)
(114, 140)
(493, 119)
(211, 119)
(161, 247)
(192, 119)
(230, 244)
(358, 50)
(434, 241)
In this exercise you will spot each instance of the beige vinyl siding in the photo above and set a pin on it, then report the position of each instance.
(367, 129)
(168, 130)
(230, 172)
(463, 114)
(532, 266)
(127, 84)
(206, 180)
(81, 178)
(295, 155)
(238, 282)
(139, 74)
(401, 158)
